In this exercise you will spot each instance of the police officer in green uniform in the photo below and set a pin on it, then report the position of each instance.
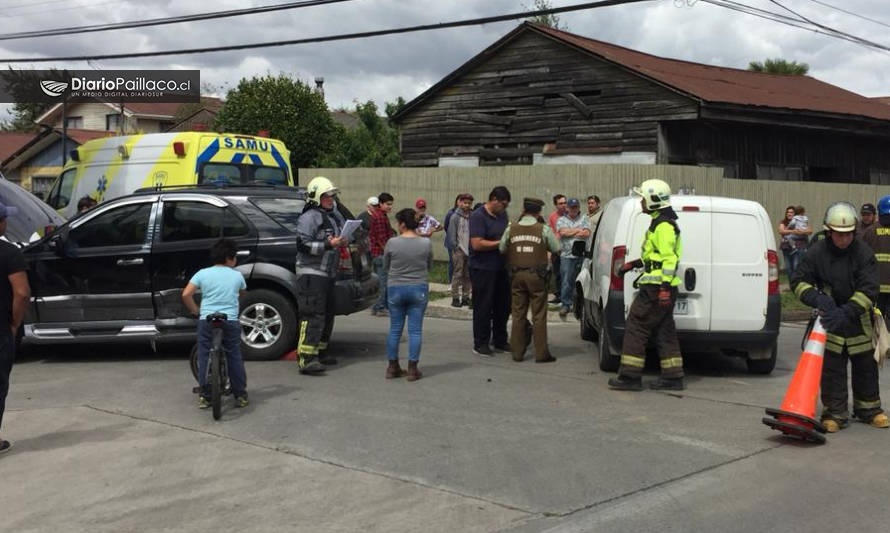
(525, 244)
(652, 311)
(839, 277)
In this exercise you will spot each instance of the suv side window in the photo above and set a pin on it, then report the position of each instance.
(189, 220)
(124, 225)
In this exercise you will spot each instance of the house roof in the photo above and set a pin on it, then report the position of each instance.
(37, 142)
(82, 136)
(12, 141)
(707, 83)
(163, 110)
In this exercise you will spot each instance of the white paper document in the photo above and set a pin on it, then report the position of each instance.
(349, 228)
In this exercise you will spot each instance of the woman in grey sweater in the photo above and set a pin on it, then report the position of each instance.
(407, 260)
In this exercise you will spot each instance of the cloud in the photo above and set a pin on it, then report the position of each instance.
(384, 68)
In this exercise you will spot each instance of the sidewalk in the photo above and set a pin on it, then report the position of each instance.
(441, 308)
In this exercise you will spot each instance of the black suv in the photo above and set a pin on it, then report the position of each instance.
(116, 272)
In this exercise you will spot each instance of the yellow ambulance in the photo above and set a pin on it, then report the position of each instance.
(115, 166)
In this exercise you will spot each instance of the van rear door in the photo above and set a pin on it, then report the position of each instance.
(741, 270)
(692, 311)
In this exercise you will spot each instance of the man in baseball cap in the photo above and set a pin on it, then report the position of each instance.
(426, 224)
(365, 216)
(867, 218)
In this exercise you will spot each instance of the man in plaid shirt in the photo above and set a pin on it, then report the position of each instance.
(380, 232)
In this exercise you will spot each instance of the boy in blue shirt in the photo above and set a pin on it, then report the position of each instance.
(221, 286)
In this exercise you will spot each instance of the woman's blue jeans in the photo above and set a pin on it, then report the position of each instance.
(569, 268)
(792, 261)
(406, 302)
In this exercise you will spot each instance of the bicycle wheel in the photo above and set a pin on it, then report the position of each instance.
(216, 380)
(193, 362)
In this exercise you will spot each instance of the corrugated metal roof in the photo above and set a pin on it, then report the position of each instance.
(12, 141)
(729, 85)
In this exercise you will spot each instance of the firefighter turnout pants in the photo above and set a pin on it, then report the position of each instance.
(647, 318)
(866, 388)
(316, 310)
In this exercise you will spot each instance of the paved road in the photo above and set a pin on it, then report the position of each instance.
(110, 440)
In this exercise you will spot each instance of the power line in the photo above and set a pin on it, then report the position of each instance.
(802, 22)
(341, 37)
(863, 17)
(166, 20)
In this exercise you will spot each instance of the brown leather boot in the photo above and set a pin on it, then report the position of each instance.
(414, 373)
(394, 370)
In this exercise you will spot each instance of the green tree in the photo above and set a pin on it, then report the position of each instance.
(373, 142)
(288, 109)
(23, 86)
(551, 19)
(779, 66)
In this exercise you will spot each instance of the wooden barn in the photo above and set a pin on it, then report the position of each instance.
(545, 96)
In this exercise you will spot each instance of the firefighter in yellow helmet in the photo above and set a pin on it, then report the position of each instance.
(839, 276)
(318, 258)
(652, 311)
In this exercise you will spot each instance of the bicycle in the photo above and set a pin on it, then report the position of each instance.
(217, 366)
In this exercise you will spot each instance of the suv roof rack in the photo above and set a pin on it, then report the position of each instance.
(258, 184)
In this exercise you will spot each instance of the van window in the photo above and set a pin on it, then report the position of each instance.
(233, 174)
(220, 173)
(60, 195)
(184, 221)
(122, 226)
(270, 175)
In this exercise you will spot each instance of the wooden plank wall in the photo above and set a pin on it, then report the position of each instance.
(534, 92)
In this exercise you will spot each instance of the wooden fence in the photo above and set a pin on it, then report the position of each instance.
(439, 186)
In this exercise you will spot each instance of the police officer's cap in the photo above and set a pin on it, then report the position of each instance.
(532, 205)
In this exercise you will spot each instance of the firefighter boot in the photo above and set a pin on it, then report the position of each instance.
(625, 383)
(309, 364)
(667, 384)
(394, 370)
(880, 420)
(326, 360)
(414, 373)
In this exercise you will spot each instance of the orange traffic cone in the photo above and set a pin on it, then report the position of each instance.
(797, 414)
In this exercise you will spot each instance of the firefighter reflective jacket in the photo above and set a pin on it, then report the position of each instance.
(661, 250)
(850, 276)
(878, 237)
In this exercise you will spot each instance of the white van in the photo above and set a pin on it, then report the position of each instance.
(729, 299)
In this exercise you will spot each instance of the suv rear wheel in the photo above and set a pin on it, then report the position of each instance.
(268, 325)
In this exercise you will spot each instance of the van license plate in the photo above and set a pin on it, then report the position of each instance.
(681, 307)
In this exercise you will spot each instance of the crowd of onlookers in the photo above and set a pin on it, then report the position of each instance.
(477, 265)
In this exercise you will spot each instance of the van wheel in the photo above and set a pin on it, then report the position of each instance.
(588, 332)
(763, 366)
(268, 325)
(609, 362)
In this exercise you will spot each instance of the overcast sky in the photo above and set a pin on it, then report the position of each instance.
(384, 68)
